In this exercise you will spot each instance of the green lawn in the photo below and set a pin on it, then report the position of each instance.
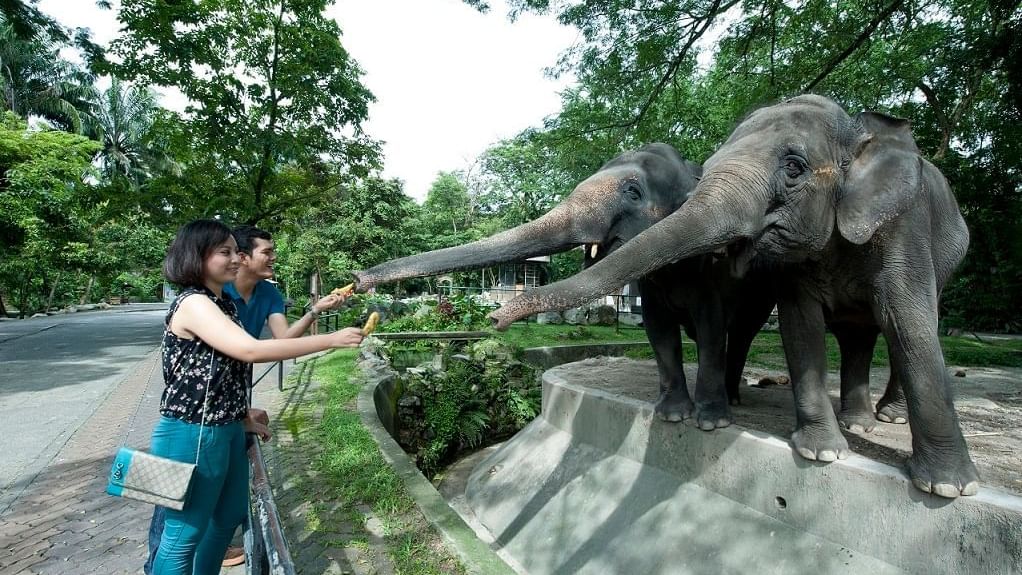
(356, 472)
(766, 350)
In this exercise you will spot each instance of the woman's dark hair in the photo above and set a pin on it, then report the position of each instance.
(189, 250)
(245, 235)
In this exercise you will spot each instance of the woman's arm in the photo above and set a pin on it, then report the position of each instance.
(198, 317)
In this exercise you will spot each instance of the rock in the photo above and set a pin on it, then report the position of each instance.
(631, 319)
(549, 317)
(960, 373)
(782, 380)
(575, 316)
(603, 315)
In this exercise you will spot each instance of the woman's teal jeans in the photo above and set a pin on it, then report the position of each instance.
(195, 538)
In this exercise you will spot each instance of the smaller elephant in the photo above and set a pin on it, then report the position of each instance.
(863, 232)
(624, 197)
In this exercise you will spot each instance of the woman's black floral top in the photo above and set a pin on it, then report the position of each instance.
(190, 364)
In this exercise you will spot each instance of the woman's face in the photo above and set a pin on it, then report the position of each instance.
(221, 265)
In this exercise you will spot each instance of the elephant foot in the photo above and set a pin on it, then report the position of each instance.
(892, 410)
(857, 420)
(947, 475)
(673, 409)
(710, 416)
(820, 442)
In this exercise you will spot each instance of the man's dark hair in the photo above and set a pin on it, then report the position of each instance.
(189, 250)
(245, 235)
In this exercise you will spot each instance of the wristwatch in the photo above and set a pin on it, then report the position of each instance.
(313, 311)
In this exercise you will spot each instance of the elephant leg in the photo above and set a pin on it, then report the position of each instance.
(816, 435)
(712, 410)
(856, 344)
(940, 461)
(892, 407)
(744, 327)
(674, 403)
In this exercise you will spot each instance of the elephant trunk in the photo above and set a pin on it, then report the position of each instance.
(706, 223)
(551, 233)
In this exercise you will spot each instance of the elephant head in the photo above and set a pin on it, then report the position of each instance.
(773, 193)
(627, 195)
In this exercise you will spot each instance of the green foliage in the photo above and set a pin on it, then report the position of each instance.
(482, 396)
(454, 313)
(273, 94)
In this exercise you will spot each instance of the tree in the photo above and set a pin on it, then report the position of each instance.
(271, 90)
(949, 66)
(44, 222)
(368, 221)
(131, 153)
(36, 81)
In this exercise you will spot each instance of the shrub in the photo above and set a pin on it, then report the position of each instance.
(482, 395)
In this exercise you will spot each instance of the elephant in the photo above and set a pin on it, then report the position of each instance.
(861, 232)
(624, 197)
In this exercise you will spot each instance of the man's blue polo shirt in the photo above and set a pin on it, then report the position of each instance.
(265, 301)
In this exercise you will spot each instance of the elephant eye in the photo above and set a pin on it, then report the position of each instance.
(794, 166)
(632, 191)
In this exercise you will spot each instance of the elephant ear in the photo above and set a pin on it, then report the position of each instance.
(883, 179)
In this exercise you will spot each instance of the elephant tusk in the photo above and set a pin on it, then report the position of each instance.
(592, 250)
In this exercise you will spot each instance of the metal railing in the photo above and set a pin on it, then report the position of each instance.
(266, 547)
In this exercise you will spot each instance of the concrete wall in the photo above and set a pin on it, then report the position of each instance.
(598, 485)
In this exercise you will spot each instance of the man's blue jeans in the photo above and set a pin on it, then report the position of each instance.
(155, 533)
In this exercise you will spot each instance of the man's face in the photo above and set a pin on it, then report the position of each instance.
(261, 261)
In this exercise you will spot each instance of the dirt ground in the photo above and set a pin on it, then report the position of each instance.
(988, 400)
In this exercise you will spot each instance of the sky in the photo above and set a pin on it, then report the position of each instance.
(448, 80)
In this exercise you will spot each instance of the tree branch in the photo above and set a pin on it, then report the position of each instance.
(859, 41)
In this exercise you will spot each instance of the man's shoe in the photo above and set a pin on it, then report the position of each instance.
(234, 556)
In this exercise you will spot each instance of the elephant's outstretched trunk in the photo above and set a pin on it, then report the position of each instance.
(549, 234)
(699, 227)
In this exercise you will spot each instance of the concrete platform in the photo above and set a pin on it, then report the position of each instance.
(596, 484)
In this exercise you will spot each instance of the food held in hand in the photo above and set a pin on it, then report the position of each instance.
(370, 324)
(344, 291)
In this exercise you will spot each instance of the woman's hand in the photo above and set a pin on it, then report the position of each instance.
(347, 337)
(257, 422)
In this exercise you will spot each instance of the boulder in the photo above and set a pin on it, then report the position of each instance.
(549, 317)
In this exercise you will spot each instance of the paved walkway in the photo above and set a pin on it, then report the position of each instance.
(64, 523)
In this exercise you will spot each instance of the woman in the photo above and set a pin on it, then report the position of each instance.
(205, 368)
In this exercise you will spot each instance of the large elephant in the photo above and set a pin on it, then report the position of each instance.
(625, 197)
(862, 230)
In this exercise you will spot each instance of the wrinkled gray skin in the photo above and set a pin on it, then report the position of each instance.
(625, 197)
(862, 231)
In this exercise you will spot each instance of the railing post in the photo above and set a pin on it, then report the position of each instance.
(280, 376)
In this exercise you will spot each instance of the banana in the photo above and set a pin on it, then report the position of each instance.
(344, 291)
(370, 324)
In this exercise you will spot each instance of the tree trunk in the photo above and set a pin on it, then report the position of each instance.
(3, 308)
(88, 289)
(53, 290)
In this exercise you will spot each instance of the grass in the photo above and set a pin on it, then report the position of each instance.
(357, 474)
(766, 350)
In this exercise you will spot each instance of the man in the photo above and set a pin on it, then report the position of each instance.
(259, 303)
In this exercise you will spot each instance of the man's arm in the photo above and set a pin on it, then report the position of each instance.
(278, 321)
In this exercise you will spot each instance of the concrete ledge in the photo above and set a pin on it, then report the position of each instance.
(547, 357)
(597, 484)
(475, 556)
